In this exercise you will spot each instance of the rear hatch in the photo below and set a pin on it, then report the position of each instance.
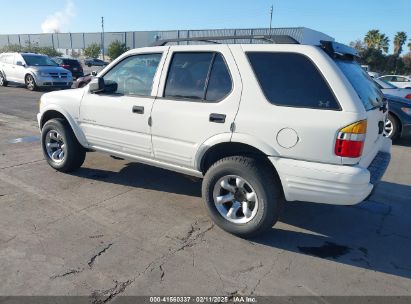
(373, 101)
(72, 65)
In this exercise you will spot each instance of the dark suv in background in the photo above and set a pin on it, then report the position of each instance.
(73, 65)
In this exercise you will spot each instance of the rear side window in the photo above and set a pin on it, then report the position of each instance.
(199, 76)
(370, 95)
(290, 79)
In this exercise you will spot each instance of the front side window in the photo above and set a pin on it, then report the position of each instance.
(198, 76)
(290, 79)
(135, 74)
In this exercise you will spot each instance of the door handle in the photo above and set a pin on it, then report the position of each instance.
(138, 110)
(217, 118)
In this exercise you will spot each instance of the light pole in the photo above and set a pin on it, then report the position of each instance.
(102, 35)
(271, 17)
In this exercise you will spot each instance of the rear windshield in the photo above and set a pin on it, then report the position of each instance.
(368, 91)
(71, 62)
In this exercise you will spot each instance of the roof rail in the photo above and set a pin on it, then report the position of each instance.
(277, 39)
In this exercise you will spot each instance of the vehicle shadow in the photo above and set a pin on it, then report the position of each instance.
(403, 141)
(374, 235)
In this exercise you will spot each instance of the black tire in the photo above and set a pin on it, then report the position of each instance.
(74, 153)
(264, 182)
(30, 83)
(395, 124)
(89, 65)
(3, 81)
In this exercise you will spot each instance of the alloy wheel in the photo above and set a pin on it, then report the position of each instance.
(55, 146)
(235, 199)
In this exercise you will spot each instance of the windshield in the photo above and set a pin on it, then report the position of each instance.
(38, 60)
(366, 88)
(384, 84)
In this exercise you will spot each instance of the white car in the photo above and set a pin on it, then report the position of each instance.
(398, 80)
(388, 88)
(33, 70)
(260, 123)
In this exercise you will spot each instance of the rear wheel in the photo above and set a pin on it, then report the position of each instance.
(242, 196)
(30, 83)
(3, 81)
(391, 129)
(60, 146)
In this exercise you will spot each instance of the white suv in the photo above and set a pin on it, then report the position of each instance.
(261, 123)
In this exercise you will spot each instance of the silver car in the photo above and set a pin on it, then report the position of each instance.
(33, 70)
(390, 89)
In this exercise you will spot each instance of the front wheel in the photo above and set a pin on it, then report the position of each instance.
(30, 83)
(60, 146)
(3, 81)
(242, 196)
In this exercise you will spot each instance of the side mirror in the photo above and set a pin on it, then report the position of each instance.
(94, 73)
(98, 85)
(19, 63)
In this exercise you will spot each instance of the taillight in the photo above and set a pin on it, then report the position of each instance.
(350, 140)
(64, 66)
(408, 96)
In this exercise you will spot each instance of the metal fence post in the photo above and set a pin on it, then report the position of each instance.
(84, 41)
(52, 40)
(71, 43)
(134, 40)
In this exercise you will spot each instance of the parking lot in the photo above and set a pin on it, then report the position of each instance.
(119, 228)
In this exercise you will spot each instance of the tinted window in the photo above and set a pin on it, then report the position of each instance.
(362, 83)
(134, 75)
(71, 62)
(219, 84)
(290, 79)
(187, 75)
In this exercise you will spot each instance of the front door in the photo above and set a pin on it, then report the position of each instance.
(119, 121)
(198, 99)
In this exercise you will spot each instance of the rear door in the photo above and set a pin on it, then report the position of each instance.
(198, 98)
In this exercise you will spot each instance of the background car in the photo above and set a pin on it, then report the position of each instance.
(398, 80)
(33, 70)
(73, 65)
(398, 122)
(390, 89)
(94, 61)
(83, 81)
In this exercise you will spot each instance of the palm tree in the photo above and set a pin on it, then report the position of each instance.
(399, 40)
(376, 40)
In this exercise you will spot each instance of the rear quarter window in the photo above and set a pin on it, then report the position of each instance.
(291, 79)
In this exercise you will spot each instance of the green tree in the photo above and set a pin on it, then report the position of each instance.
(409, 45)
(359, 45)
(399, 41)
(116, 48)
(376, 40)
(92, 51)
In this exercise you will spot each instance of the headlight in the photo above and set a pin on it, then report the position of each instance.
(42, 74)
(406, 111)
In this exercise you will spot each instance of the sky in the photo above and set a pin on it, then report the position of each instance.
(346, 20)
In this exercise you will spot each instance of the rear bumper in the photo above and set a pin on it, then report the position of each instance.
(330, 184)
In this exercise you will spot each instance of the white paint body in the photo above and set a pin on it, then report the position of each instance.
(181, 133)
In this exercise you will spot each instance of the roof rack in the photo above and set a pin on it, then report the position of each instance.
(277, 39)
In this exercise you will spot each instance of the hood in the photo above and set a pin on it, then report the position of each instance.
(49, 69)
